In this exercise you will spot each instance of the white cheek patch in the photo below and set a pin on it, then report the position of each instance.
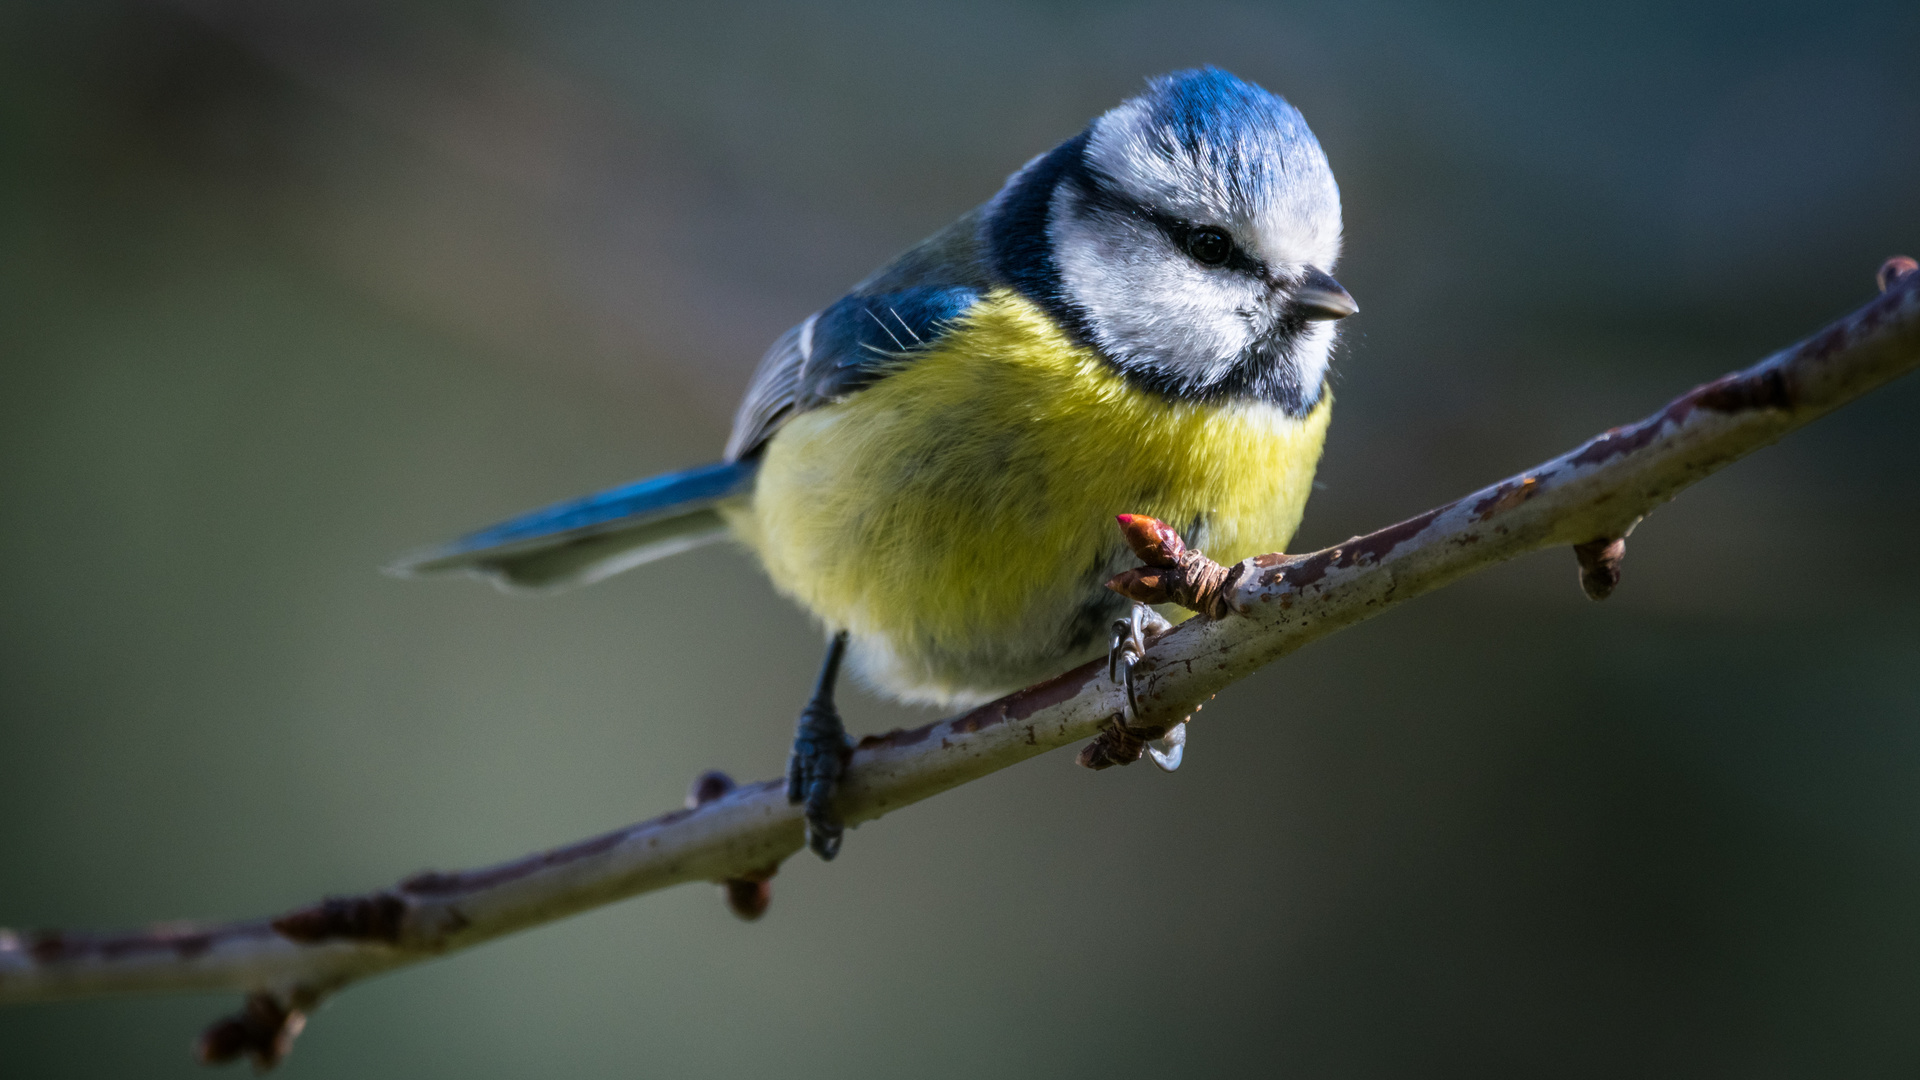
(1312, 351)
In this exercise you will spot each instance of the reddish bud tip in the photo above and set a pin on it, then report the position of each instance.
(1153, 540)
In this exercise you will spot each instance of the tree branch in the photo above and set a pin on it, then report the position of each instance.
(1589, 499)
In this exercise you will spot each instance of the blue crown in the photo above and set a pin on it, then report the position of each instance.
(1209, 111)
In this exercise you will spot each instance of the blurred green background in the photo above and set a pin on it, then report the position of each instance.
(288, 289)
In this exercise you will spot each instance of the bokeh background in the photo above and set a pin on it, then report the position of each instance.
(287, 289)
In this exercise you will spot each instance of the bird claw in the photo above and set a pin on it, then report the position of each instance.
(1128, 649)
(1167, 750)
(1124, 656)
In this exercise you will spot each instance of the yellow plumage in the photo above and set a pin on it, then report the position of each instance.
(956, 516)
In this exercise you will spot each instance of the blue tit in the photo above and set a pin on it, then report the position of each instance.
(1140, 321)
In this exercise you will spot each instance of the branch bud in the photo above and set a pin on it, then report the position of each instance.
(1146, 585)
(1894, 269)
(1174, 574)
(1153, 540)
(263, 1030)
(1600, 565)
(749, 895)
(707, 787)
(748, 898)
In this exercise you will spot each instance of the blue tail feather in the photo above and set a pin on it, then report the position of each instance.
(586, 539)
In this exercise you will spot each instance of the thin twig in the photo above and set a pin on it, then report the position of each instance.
(1588, 499)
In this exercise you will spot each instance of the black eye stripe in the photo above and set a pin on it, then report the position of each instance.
(1101, 194)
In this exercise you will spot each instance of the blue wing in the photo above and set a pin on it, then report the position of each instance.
(834, 353)
(584, 540)
(861, 338)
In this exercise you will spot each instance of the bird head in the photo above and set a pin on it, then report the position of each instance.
(1190, 236)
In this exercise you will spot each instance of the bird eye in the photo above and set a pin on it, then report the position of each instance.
(1210, 247)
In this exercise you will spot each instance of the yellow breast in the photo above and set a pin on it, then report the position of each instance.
(956, 517)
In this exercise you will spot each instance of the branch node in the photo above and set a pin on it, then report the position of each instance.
(708, 786)
(263, 1029)
(379, 916)
(1894, 269)
(1174, 573)
(1600, 565)
(748, 895)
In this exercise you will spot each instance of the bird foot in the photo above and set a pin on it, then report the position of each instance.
(1126, 740)
(1173, 574)
(1129, 649)
(819, 758)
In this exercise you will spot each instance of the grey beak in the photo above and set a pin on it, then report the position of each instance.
(1321, 297)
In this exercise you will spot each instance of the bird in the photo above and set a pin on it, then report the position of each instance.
(1140, 320)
